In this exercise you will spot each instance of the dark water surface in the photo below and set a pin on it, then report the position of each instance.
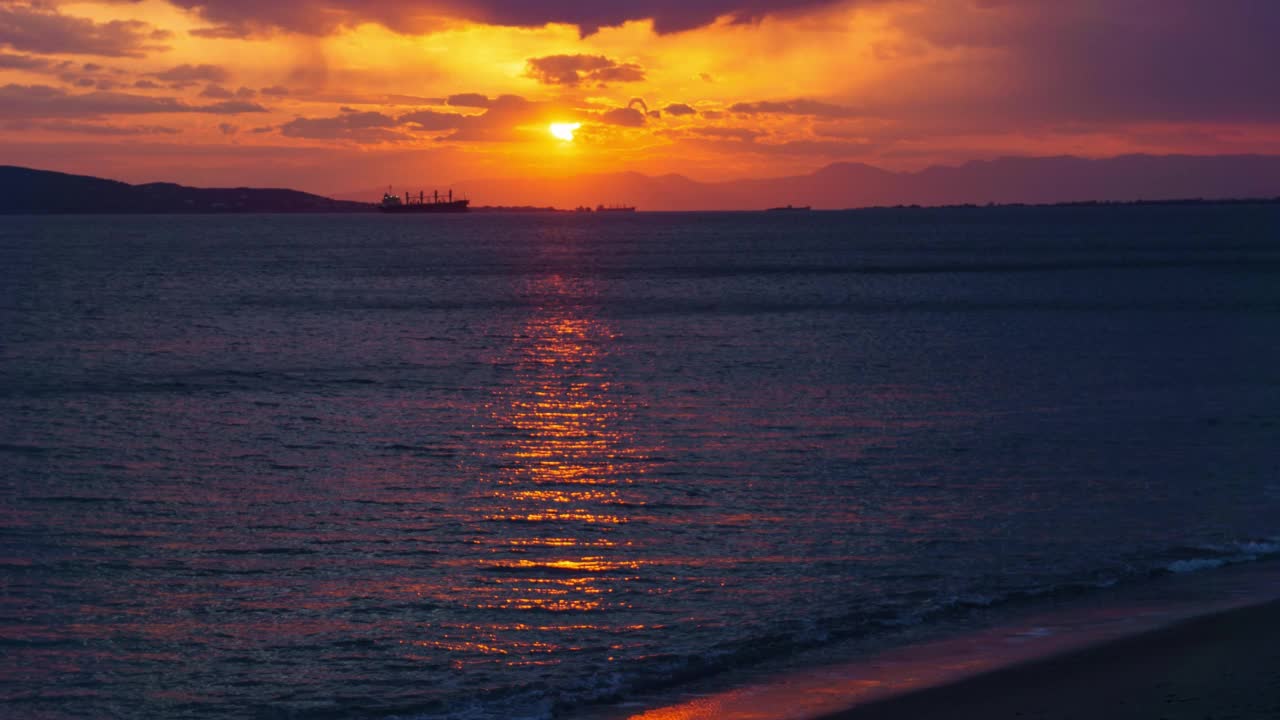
(504, 466)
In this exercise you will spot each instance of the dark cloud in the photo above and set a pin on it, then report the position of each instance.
(432, 121)
(793, 107)
(679, 109)
(186, 73)
(217, 92)
(575, 69)
(222, 32)
(626, 117)
(228, 128)
(355, 126)
(474, 100)
(147, 85)
(9, 61)
(114, 130)
(743, 134)
(237, 18)
(229, 107)
(35, 27)
(275, 91)
(42, 101)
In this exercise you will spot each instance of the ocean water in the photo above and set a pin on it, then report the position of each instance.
(514, 466)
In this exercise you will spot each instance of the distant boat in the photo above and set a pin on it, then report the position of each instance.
(790, 208)
(437, 203)
(615, 208)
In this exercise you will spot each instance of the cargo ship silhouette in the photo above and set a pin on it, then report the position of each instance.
(437, 203)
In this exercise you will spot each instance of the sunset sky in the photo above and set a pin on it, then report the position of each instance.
(342, 95)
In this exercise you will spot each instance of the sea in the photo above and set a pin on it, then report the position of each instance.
(553, 465)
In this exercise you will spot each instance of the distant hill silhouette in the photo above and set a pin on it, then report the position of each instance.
(1032, 180)
(28, 191)
(1042, 180)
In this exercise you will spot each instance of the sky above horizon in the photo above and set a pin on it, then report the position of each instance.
(342, 95)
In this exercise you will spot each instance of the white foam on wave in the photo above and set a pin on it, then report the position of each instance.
(1187, 566)
(1227, 554)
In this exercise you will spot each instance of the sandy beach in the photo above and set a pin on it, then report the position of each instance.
(1219, 667)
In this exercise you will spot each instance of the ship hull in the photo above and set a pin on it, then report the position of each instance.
(457, 206)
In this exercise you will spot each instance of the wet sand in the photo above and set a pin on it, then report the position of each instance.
(1219, 667)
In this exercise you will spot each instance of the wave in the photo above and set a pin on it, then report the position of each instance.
(1208, 557)
(662, 672)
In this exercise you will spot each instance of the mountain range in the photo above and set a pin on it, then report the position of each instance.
(1032, 180)
(842, 185)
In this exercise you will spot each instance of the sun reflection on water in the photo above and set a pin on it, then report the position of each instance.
(559, 485)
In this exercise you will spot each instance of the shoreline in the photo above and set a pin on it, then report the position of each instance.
(1117, 652)
(1222, 665)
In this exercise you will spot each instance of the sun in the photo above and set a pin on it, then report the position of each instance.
(564, 131)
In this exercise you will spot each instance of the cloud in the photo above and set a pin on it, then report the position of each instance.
(626, 117)
(575, 69)
(229, 107)
(84, 128)
(1022, 64)
(502, 117)
(502, 120)
(228, 128)
(42, 101)
(679, 109)
(743, 134)
(432, 121)
(475, 100)
(793, 107)
(398, 99)
(275, 91)
(217, 91)
(37, 28)
(9, 61)
(360, 127)
(188, 74)
(238, 18)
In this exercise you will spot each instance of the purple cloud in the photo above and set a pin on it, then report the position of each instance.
(793, 107)
(472, 100)
(42, 101)
(235, 18)
(9, 61)
(217, 92)
(187, 74)
(37, 28)
(355, 126)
